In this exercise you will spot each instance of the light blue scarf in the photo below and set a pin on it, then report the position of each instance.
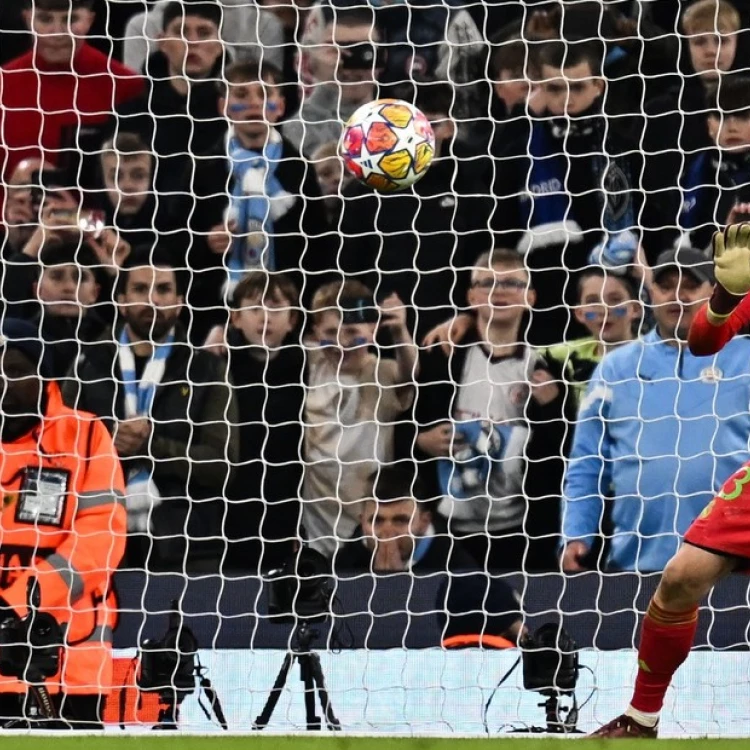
(251, 207)
(139, 394)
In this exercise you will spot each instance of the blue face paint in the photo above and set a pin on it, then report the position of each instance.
(615, 312)
(272, 106)
(235, 108)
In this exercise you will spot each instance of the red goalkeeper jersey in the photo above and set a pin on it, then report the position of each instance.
(705, 338)
(724, 524)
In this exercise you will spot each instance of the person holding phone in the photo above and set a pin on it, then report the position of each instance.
(353, 401)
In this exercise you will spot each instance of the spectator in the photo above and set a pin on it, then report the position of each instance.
(715, 180)
(178, 116)
(171, 413)
(56, 99)
(21, 213)
(340, 61)
(608, 308)
(266, 366)
(564, 183)
(354, 397)
(292, 15)
(396, 533)
(256, 185)
(479, 611)
(490, 424)
(63, 511)
(514, 80)
(418, 244)
(67, 292)
(631, 440)
(427, 41)
(248, 31)
(676, 129)
(128, 201)
(332, 179)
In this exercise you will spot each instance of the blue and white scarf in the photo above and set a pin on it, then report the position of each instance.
(142, 494)
(469, 474)
(546, 209)
(258, 199)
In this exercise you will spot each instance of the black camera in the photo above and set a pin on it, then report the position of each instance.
(301, 589)
(30, 648)
(355, 310)
(169, 663)
(550, 661)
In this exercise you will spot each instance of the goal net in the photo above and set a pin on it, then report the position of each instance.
(379, 422)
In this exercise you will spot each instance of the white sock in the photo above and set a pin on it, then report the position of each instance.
(644, 719)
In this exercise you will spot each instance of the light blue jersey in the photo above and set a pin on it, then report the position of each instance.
(659, 432)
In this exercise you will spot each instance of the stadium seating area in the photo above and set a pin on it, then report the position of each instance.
(486, 371)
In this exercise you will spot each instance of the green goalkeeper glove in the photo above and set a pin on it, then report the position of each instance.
(732, 259)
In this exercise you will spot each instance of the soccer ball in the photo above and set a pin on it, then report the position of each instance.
(388, 145)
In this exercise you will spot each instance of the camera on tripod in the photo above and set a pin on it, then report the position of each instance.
(551, 667)
(170, 666)
(301, 589)
(301, 592)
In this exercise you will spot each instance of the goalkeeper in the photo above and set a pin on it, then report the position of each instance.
(718, 542)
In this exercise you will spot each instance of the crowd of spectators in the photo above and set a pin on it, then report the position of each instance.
(486, 370)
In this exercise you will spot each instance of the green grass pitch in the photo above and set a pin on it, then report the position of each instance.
(168, 741)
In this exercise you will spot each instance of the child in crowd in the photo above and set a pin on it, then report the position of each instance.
(608, 308)
(332, 178)
(266, 366)
(250, 201)
(354, 397)
(490, 425)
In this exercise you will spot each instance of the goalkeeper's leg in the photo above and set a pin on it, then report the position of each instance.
(667, 635)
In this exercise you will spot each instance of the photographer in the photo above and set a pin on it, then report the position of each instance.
(62, 523)
(354, 399)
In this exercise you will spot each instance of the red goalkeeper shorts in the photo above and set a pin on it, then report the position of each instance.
(724, 524)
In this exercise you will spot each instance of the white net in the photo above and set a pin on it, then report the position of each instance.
(413, 405)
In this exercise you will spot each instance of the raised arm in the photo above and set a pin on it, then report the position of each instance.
(728, 310)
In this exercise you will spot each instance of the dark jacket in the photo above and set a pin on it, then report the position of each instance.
(68, 338)
(193, 444)
(173, 125)
(439, 384)
(418, 244)
(553, 266)
(263, 513)
(300, 244)
(712, 182)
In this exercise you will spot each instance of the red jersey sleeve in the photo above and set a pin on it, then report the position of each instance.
(705, 339)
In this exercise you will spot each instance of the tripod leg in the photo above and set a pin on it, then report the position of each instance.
(265, 715)
(325, 702)
(307, 676)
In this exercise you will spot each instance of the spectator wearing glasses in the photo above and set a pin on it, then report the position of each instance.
(489, 419)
